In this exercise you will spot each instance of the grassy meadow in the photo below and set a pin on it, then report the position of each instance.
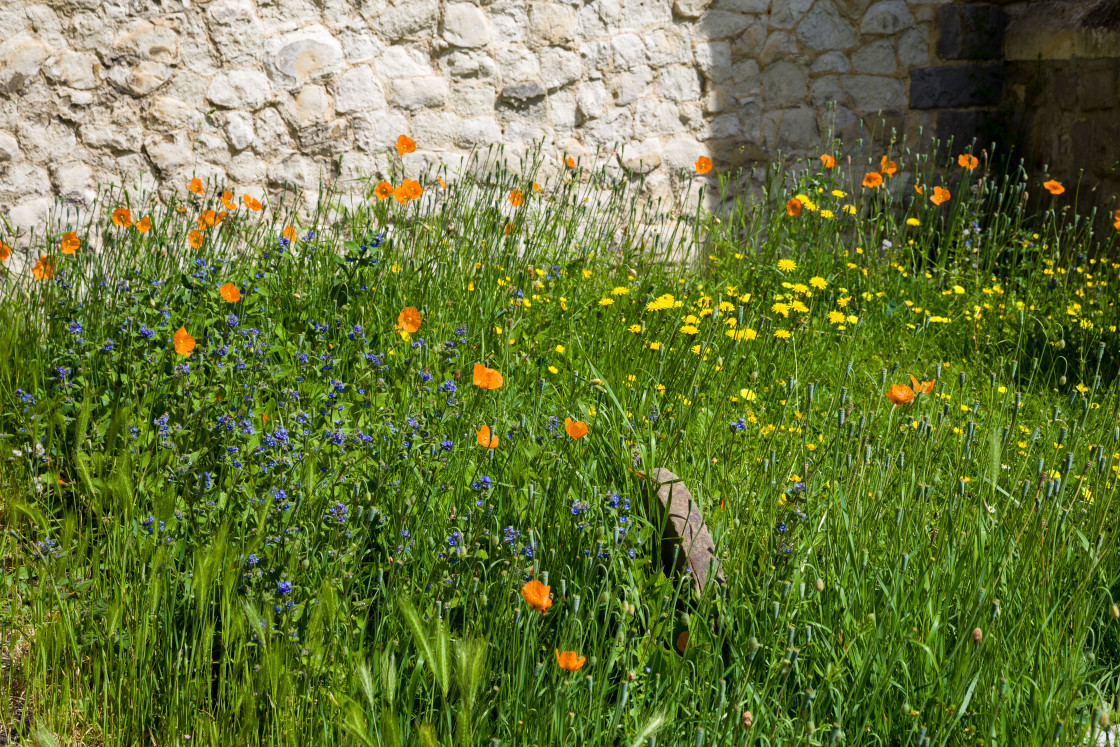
(370, 471)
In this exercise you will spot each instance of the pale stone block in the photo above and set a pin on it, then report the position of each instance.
(563, 107)
(403, 62)
(913, 47)
(9, 147)
(559, 67)
(236, 30)
(429, 92)
(465, 25)
(464, 64)
(479, 131)
(832, 62)
(888, 17)
(169, 151)
(156, 39)
(642, 156)
(613, 128)
(75, 69)
(631, 85)
(112, 137)
(679, 83)
(690, 9)
(722, 127)
(681, 153)
(21, 56)
(785, 14)
(23, 178)
(871, 93)
(668, 45)
(211, 146)
(375, 132)
(652, 118)
(518, 65)
(714, 59)
(551, 24)
(358, 89)
(599, 18)
(409, 19)
(359, 43)
(240, 89)
(472, 99)
(308, 54)
(30, 213)
(641, 14)
(785, 83)
(139, 79)
(239, 130)
(596, 57)
(272, 133)
(629, 51)
(876, 58)
(247, 168)
(746, 79)
(723, 24)
(823, 28)
(591, 98)
(779, 46)
(439, 129)
(508, 21)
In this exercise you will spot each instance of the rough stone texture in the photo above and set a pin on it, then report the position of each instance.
(266, 93)
(683, 527)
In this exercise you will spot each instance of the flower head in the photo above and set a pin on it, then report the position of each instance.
(703, 165)
(575, 428)
(900, 394)
(383, 190)
(405, 144)
(569, 660)
(70, 242)
(872, 179)
(967, 161)
(184, 343)
(1054, 187)
(195, 186)
(230, 292)
(515, 198)
(828, 160)
(43, 268)
(408, 320)
(536, 594)
(486, 378)
(793, 207)
(940, 195)
(482, 435)
(122, 217)
(887, 166)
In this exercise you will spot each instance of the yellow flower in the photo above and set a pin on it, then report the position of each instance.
(799, 307)
(662, 302)
(782, 334)
(913, 222)
(780, 308)
(852, 319)
(635, 328)
(838, 193)
(559, 348)
(655, 346)
(553, 370)
(621, 290)
(818, 282)
(827, 214)
(787, 265)
(689, 329)
(604, 301)
(835, 317)
(747, 395)
(958, 290)
(849, 209)
(587, 273)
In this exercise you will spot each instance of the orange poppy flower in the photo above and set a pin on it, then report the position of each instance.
(888, 167)
(196, 186)
(442, 183)
(900, 394)
(196, 239)
(409, 319)
(536, 187)
(569, 660)
(144, 224)
(383, 190)
(486, 378)
(405, 144)
(703, 165)
(872, 179)
(967, 161)
(918, 189)
(184, 343)
(209, 217)
(569, 162)
(251, 202)
(227, 200)
(515, 197)
(925, 387)
(575, 428)
(1053, 187)
(940, 195)
(400, 194)
(43, 269)
(70, 242)
(221, 216)
(485, 439)
(122, 217)
(412, 188)
(1116, 220)
(230, 292)
(508, 228)
(793, 207)
(682, 641)
(828, 160)
(536, 594)
(288, 233)
(5, 252)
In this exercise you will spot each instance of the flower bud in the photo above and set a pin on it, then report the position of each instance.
(977, 636)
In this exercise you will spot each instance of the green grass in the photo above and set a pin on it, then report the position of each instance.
(293, 536)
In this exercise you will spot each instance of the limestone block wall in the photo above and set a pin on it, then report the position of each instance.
(260, 93)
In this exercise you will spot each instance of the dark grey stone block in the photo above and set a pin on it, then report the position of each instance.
(970, 32)
(943, 87)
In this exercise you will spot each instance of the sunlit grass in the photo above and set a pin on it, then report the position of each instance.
(305, 512)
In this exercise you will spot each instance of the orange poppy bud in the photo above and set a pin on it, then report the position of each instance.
(70, 242)
(409, 319)
(569, 660)
(575, 428)
(536, 187)
(230, 292)
(482, 435)
(486, 378)
(900, 394)
(872, 179)
(405, 144)
(184, 343)
(682, 641)
(967, 160)
(536, 594)
(1053, 187)
(793, 207)
(442, 183)
(828, 160)
(508, 228)
(703, 165)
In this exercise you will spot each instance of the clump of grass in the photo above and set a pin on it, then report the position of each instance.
(281, 476)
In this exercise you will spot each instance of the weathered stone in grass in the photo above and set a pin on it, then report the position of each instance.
(683, 526)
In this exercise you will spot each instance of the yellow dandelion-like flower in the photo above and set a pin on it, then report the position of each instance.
(913, 222)
(689, 329)
(818, 282)
(780, 308)
(787, 265)
(620, 290)
(606, 301)
(748, 395)
(835, 317)
(782, 334)
(635, 328)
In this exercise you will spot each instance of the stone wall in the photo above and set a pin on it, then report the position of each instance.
(260, 93)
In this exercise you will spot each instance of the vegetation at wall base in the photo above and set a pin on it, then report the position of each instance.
(371, 472)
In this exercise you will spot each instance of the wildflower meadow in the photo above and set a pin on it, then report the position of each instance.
(373, 467)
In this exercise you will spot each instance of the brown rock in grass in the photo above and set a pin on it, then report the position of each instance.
(682, 525)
